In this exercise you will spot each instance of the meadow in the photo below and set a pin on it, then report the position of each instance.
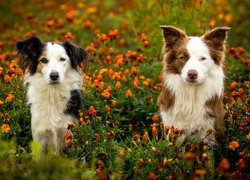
(120, 134)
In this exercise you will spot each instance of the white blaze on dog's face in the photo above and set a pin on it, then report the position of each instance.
(199, 64)
(54, 63)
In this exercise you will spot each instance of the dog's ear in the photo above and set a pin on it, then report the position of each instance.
(28, 51)
(76, 54)
(217, 36)
(172, 36)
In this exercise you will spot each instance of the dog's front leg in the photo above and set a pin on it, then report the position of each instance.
(43, 138)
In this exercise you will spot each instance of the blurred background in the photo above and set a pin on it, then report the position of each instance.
(22, 18)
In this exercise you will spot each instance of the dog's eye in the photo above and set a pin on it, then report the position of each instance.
(44, 60)
(182, 58)
(62, 59)
(203, 58)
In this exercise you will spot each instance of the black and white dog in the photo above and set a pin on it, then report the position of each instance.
(54, 90)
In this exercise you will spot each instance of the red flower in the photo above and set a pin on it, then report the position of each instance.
(146, 44)
(224, 165)
(70, 126)
(241, 165)
(152, 176)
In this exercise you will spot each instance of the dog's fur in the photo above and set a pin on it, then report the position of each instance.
(192, 96)
(54, 90)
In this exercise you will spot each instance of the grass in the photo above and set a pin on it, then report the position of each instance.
(120, 135)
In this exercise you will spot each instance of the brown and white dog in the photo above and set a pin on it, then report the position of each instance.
(192, 96)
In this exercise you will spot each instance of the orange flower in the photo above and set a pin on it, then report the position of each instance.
(137, 137)
(91, 10)
(143, 37)
(154, 129)
(155, 118)
(108, 60)
(13, 64)
(145, 83)
(228, 19)
(70, 15)
(135, 85)
(145, 137)
(67, 136)
(9, 97)
(106, 94)
(109, 89)
(121, 42)
(140, 58)
(1, 70)
(116, 76)
(99, 77)
(200, 172)
(108, 110)
(189, 156)
(113, 103)
(69, 142)
(128, 93)
(92, 111)
(119, 60)
(111, 51)
(101, 85)
(113, 34)
(1, 102)
(248, 136)
(224, 165)
(7, 78)
(233, 85)
(126, 71)
(5, 128)
(104, 70)
(81, 120)
(141, 161)
(133, 71)
(212, 22)
(124, 79)
(118, 85)
(69, 36)
(86, 25)
(233, 145)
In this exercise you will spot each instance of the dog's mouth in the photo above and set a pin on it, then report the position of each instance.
(54, 82)
(191, 81)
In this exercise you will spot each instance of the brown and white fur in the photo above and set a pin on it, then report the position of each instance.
(54, 90)
(192, 96)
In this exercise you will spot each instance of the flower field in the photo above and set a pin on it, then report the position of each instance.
(120, 134)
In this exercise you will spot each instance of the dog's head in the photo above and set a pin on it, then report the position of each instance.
(192, 57)
(52, 60)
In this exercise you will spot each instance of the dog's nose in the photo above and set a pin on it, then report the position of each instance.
(54, 76)
(192, 74)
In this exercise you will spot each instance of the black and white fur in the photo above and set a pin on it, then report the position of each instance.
(54, 90)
